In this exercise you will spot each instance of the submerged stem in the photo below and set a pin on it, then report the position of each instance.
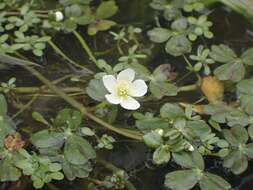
(85, 47)
(23, 63)
(61, 53)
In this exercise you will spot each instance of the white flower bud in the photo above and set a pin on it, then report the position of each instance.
(191, 148)
(59, 16)
(159, 131)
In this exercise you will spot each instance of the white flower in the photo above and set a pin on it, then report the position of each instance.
(59, 16)
(123, 88)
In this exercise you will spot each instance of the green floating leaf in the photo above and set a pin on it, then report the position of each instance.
(96, 90)
(8, 171)
(69, 25)
(222, 53)
(189, 160)
(57, 176)
(250, 131)
(230, 71)
(163, 73)
(182, 180)
(69, 117)
(141, 71)
(245, 87)
(106, 9)
(78, 151)
(161, 155)
(248, 150)
(55, 167)
(159, 35)
(179, 24)
(236, 161)
(72, 171)
(153, 139)
(101, 25)
(87, 131)
(178, 45)
(151, 123)
(47, 139)
(198, 128)
(247, 56)
(213, 182)
(160, 89)
(236, 135)
(171, 111)
(247, 103)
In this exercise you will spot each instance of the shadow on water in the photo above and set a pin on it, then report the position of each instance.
(134, 157)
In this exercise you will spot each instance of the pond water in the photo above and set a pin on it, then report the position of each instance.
(130, 155)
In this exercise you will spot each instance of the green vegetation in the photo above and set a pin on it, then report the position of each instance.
(120, 93)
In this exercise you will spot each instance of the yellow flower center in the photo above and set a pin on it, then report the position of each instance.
(122, 92)
(123, 89)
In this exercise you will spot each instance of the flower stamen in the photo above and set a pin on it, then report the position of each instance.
(122, 92)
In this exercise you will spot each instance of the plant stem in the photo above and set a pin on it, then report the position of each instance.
(23, 63)
(188, 88)
(19, 14)
(34, 97)
(191, 66)
(26, 106)
(85, 47)
(188, 63)
(31, 90)
(79, 106)
(61, 53)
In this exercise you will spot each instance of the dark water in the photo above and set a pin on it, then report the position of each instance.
(134, 157)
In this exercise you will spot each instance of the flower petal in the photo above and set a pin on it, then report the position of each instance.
(109, 83)
(130, 103)
(138, 88)
(127, 75)
(113, 98)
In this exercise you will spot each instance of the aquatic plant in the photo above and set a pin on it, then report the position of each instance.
(73, 136)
